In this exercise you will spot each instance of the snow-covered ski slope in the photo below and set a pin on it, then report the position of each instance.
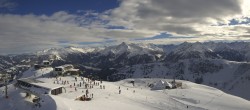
(139, 97)
(232, 78)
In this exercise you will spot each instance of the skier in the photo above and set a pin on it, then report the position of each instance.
(100, 86)
(103, 87)
(92, 95)
(120, 91)
(86, 86)
(87, 92)
(84, 97)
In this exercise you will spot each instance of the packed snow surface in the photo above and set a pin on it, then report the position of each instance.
(189, 96)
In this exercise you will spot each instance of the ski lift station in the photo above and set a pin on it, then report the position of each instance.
(46, 63)
(38, 88)
(67, 69)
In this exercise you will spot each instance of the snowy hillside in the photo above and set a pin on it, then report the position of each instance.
(140, 96)
(229, 76)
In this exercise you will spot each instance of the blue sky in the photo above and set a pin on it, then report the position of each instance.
(49, 7)
(32, 25)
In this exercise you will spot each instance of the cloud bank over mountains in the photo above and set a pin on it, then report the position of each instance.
(193, 20)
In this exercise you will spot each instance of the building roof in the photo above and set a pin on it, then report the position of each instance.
(64, 66)
(40, 83)
(73, 70)
(29, 80)
(47, 85)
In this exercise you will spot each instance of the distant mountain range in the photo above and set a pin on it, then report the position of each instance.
(221, 65)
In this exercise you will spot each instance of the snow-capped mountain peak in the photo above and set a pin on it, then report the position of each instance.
(132, 49)
(66, 50)
(192, 47)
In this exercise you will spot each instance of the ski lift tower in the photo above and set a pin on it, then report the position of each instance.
(6, 80)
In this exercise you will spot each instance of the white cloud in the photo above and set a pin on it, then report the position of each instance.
(197, 18)
(35, 32)
(160, 13)
(6, 4)
(23, 33)
(141, 18)
(245, 8)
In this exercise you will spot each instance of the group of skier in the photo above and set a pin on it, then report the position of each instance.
(87, 83)
(119, 90)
